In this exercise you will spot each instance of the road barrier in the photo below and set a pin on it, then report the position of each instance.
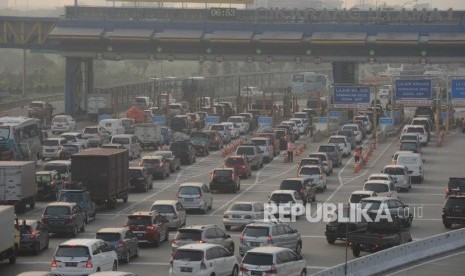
(231, 147)
(26, 101)
(398, 256)
(365, 158)
(441, 138)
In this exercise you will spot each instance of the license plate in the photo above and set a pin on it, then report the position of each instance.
(59, 125)
(70, 264)
(255, 244)
(140, 235)
(236, 216)
(255, 272)
(186, 269)
(457, 210)
(188, 199)
(49, 150)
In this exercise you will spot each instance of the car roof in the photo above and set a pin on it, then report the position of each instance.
(337, 136)
(379, 174)
(295, 178)
(85, 242)
(409, 154)
(199, 226)
(165, 202)
(289, 192)
(224, 169)
(152, 157)
(394, 166)
(377, 198)
(61, 203)
(142, 213)
(236, 156)
(246, 202)
(136, 168)
(71, 133)
(55, 139)
(260, 138)
(122, 135)
(386, 182)
(195, 184)
(112, 230)
(267, 249)
(310, 166)
(198, 246)
(362, 192)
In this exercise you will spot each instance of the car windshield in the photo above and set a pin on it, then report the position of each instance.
(361, 118)
(352, 128)
(120, 140)
(180, 147)
(222, 173)
(300, 115)
(241, 207)
(371, 205)
(72, 251)
(233, 161)
(235, 120)
(455, 201)
(36, 105)
(245, 151)
(321, 157)
(186, 190)
(457, 183)
(51, 143)
(90, 130)
(280, 134)
(70, 138)
(188, 255)
(178, 123)
(375, 187)
(71, 197)
(309, 171)
(61, 169)
(408, 146)
(281, 198)
(259, 142)
(378, 178)
(108, 237)
(188, 234)
(43, 178)
(25, 229)
(256, 231)
(217, 127)
(305, 162)
(415, 130)
(347, 133)
(163, 208)
(59, 120)
(138, 220)
(336, 140)
(291, 185)
(407, 160)
(409, 138)
(259, 259)
(135, 173)
(57, 211)
(150, 161)
(127, 122)
(199, 135)
(356, 198)
(326, 149)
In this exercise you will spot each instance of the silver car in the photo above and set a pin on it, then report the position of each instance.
(401, 176)
(195, 195)
(264, 260)
(172, 210)
(242, 213)
(262, 233)
(209, 233)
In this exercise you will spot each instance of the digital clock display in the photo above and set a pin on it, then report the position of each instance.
(222, 13)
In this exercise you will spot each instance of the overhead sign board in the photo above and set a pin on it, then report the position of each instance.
(192, 1)
(414, 92)
(458, 92)
(351, 96)
(335, 113)
(159, 119)
(211, 120)
(264, 120)
(385, 121)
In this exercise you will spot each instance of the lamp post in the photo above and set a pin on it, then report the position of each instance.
(408, 2)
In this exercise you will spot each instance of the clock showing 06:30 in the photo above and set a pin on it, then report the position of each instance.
(218, 13)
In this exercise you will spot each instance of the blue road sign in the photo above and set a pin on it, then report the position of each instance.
(211, 120)
(351, 96)
(413, 92)
(264, 120)
(385, 121)
(335, 113)
(322, 120)
(458, 92)
(443, 115)
(159, 119)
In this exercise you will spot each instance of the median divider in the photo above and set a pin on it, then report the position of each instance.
(398, 256)
(231, 147)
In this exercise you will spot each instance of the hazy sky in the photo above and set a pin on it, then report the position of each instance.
(441, 4)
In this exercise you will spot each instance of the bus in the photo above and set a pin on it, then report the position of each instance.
(22, 137)
(309, 82)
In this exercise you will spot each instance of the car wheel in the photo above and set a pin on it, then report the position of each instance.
(447, 224)
(83, 227)
(204, 210)
(136, 254)
(163, 175)
(303, 273)
(330, 240)
(48, 241)
(227, 227)
(115, 266)
(36, 249)
(211, 205)
(167, 235)
(235, 271)
(144, 188)
(231, 248)
(75, 231)
(298, 248)
(156, 243)
(127, 257)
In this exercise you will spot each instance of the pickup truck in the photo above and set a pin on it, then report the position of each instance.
(373, 241)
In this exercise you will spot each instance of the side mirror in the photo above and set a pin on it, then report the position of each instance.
(227, 236)
(301, 257)
(409, 172)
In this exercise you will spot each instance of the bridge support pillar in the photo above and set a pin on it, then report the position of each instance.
(79, 81)
(345, 72)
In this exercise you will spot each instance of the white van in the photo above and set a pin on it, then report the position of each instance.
(420, 129)
(129, 142)
(112, 126)
(414, 163)
(142, 102)
(381, 188)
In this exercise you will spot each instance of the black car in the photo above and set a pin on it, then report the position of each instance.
(64, 217)
(33, 235)
(139, 179)
(201, 142)
(453, 210)
(184, 150)
(455, 186)
(225, 179)
(80, 197)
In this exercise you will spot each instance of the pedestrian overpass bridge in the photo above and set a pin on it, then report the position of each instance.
(343, 37)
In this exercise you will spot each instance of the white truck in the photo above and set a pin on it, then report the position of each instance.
(18, 184)
(99, 104)
(9, 239)
(149, 135)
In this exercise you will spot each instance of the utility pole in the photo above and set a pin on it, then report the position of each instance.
(375, 116)
(24, 71)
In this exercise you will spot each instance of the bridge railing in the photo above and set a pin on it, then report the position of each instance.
(24, 102)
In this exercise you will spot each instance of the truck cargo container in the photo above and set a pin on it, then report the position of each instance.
(104, 173)
(18, 184)
(149, 135)
(9, 239)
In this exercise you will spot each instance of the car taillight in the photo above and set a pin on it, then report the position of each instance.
(225, 216)
(202, 265)
(33, 234)
(248, 217)
(202, 241)
(174, 241)
(321, 176)
(242, 268)
(269, 239)
(122, 244)
(448, 190)
(217, 138)
(299, 175)
(150, 227)
(241, 238)
(54, 263)
(244, 166)
(160, 165)
(89, 263)
(52, 183)
(69, 219)
(175, 216)
(389, 195)
(272, 270)
(141, 164)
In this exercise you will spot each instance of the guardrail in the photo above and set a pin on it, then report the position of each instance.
(398, 256)
(14, 104)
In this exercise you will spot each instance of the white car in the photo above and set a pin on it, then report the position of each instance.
(420, 129)
(357, 131)
(203, 259)
(366, 122)
(341, 141)
(357, 196)
(317, 175)
(381, 188)
(52, 146)
(75, 138)
(63, 123)
(83, 257)
(400, 175)
(242, 122)
(300, 125)
(234, 129)
(287, 198)
(266, 260)
(94, 136)
(195, 195)
(293, 124)
(172, 210)
(265, 145)
(242, 213)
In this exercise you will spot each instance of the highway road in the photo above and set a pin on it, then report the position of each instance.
(441, 162)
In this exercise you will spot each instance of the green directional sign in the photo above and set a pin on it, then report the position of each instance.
(110, 49)
(371, 52)
(208, 51)
(423, 53)
(308, 52)
(258, 51)
(159, 49)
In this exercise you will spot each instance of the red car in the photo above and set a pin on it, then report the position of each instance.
(240, 164)
(149, 227)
